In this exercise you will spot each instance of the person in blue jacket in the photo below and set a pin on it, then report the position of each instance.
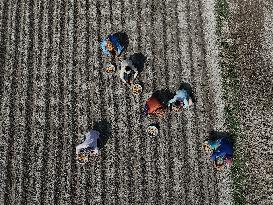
(181, 100)
(111, 46)
(221, 152)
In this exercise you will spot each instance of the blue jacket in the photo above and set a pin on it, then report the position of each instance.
(119, 48)
(221, 148)
(181, 95)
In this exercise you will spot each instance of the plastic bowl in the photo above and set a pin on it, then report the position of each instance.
(152, 130)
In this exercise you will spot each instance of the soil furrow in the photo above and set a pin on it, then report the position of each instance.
(151, 155)
(39, 109)
(196, 66)
(207, 12)
(60, 150)
(10, 177)
(26, 143)
(147, 24)
(92, 195)
(2, 6)
(117, 103)
(58, 184)
(250, 30)
(87, 94)
(181, 43)
(163, 138)
(133, 103)
(110, 16)
(162, 76)
(40, 106)
(47, 166)
(6, 54)
(68, 150)
(159, 144)
(52, 66)
(189, 60)
(119, 96)
(23, 78)
(186, 39)
(35, 140)
(54, 96)
(19, 104)
(172, 70)
(80, 90)
(179, 61)
(142, 143)
(98, 104)
(4, 48)
(107, 160)
(74, 92)
(213, 78)
(171, 74)
(32, 141)
(82, 102)
(182, 74)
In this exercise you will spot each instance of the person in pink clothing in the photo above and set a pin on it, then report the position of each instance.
(88, 147)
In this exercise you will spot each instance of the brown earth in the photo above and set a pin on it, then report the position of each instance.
(251, 30)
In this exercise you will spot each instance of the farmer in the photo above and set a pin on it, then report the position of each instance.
(221, 152)
(181, 100)
(128, 72)
(154, 107)
(111, 47)
(89, 146)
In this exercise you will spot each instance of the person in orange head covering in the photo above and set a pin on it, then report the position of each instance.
(154, 107)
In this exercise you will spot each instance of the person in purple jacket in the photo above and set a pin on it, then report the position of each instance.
(221, 152)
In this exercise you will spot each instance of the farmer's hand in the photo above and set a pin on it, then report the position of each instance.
(218, 167)
(94, 153)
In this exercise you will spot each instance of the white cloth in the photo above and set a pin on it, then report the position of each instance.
(123, 65)
(90, 141)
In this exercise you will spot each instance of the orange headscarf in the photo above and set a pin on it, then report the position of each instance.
(153, 105)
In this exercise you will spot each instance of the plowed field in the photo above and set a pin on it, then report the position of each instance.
(53, 89)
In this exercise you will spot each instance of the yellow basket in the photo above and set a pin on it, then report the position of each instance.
(136, 88)
(109, 69)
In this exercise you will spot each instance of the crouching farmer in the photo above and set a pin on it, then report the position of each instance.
(181, 100)
(111, 46)
(88, 147)
(220, 151)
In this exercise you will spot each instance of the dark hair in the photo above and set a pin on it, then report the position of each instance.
(219, 161)
(177, 103)
(82, 151)
(127, 68)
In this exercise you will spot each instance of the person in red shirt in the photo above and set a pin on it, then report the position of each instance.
(154, 107)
